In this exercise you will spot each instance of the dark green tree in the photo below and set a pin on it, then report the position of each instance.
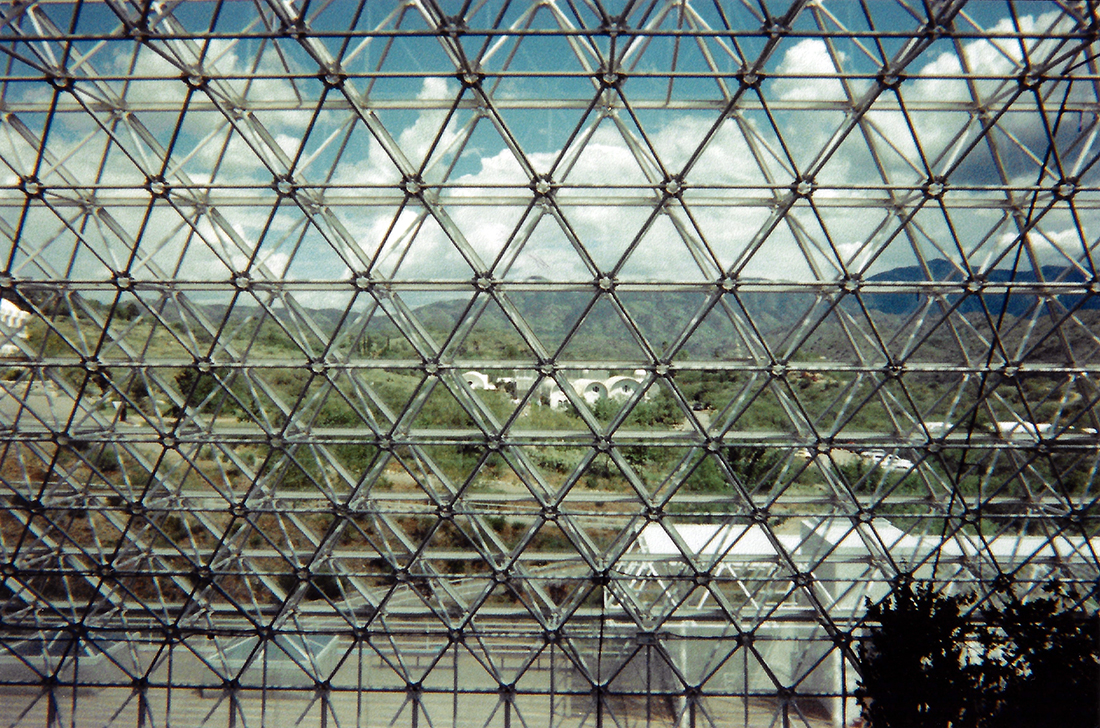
(915, 674)
(752, 464)
(1045, 671)
(930, 662)
(195, 386)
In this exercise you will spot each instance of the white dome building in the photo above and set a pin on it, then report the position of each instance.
(622, 388)
(593, 390)
(477, 380)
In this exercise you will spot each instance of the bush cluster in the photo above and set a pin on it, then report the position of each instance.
(935, 660)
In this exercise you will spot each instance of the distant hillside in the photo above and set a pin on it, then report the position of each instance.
(778, 317)
(1016, 304)
(810, 324)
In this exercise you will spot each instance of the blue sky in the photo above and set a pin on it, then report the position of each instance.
(605, 172)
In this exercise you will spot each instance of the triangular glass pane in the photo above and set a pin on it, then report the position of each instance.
(603, 329)
(609, 151)
(670, 251)
(544, 249)
(430, 128)
(416, 247)
(722, 333)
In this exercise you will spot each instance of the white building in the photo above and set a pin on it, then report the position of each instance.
(888, 461)
(622, 388)
(13, 328)
(477, 380)
(593, 386)
(593, 390)
(596, 389)
(1033, 429)
(850, 564)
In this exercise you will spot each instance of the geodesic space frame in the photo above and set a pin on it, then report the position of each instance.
(565, 362)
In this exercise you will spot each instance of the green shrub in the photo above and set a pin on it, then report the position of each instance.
(929, 662)
(914, 670)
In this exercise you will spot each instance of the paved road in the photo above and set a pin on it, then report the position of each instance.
(36, 406)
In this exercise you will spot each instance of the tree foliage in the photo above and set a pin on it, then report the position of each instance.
(915, 671)
(930, 661)
(1047, 670)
